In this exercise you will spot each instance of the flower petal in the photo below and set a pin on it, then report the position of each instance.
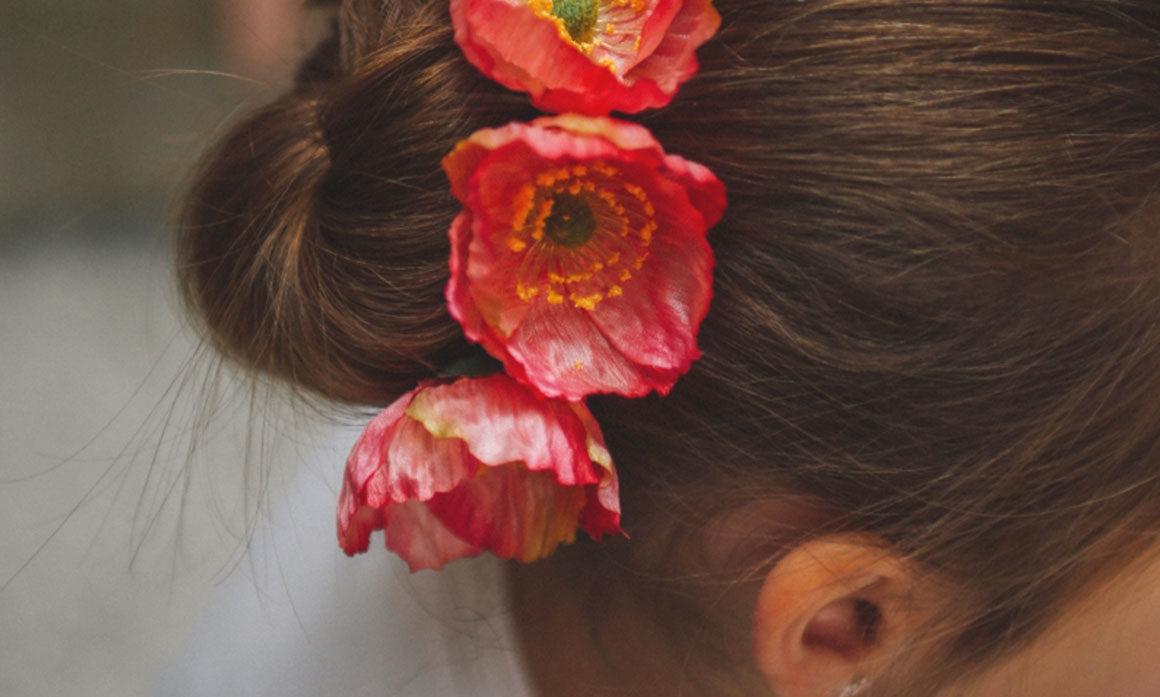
(416, 534)
(395, 460)
(564, 354)
(674, 61)
(654, 324)
(632, 57)
(501, 421)
(601, 514)
(513, 512)
(542, 471)
(615, 309)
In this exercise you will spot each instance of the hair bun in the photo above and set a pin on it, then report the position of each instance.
(314, 240)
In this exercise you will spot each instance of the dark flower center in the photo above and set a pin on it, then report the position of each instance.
(579, 17)
(571, 222)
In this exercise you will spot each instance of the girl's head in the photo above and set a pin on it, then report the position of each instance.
(925, 424)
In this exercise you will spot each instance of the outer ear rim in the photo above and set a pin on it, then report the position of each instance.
(813, 576)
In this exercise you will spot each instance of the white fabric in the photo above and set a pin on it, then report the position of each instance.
(297, 618)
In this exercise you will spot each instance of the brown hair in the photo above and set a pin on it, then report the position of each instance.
(937, 307)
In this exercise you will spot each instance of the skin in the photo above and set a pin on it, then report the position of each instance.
(1106, 646)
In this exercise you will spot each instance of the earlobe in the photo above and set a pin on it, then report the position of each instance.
(829, 613)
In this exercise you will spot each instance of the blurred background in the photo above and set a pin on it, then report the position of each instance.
(132, 465)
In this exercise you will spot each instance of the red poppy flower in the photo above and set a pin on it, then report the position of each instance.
(586, 56)
(581, 260)
(454, 468)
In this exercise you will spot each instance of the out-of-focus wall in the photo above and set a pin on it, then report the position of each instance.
(104, 104)
(131, 476)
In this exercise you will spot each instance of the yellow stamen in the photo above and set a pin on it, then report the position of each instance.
(538, 225)
(586, 302)
(646, 232)
(522, 207)
(636, 191)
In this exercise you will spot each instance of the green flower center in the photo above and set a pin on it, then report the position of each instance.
(571, 222)
(579, 17)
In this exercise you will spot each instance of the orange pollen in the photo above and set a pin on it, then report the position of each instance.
(541, 217)
(523, 206)
(575, 226)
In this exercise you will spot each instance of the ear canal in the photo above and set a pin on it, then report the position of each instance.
(833, 610)
(848, 626)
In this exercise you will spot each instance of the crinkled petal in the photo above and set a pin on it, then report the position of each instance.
(415, 533)
(636, 59)
(418, 465)
(655, 323)
(624, 135)
(704, 189)
(512, 512)
(395, 460)
(366, 457)
(674, 60)
(526, 52)
(502, 421)
(481, 301)
(542, 472)
(356, 520)
(653, 31)
(565, 355)
(601, 514)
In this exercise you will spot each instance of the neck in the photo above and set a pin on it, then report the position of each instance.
(579, 641)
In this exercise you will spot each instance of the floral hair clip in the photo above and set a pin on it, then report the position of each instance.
(580, 263)
(586, 56)
(454, 468)
(581, 260)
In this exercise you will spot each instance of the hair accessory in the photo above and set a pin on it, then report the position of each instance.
(586, 56)
(457, 467)
(579, 262)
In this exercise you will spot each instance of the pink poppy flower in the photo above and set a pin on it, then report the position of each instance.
(455, 468)
(586, 56)
(581, 260)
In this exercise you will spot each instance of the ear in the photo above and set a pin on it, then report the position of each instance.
(832, 612)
